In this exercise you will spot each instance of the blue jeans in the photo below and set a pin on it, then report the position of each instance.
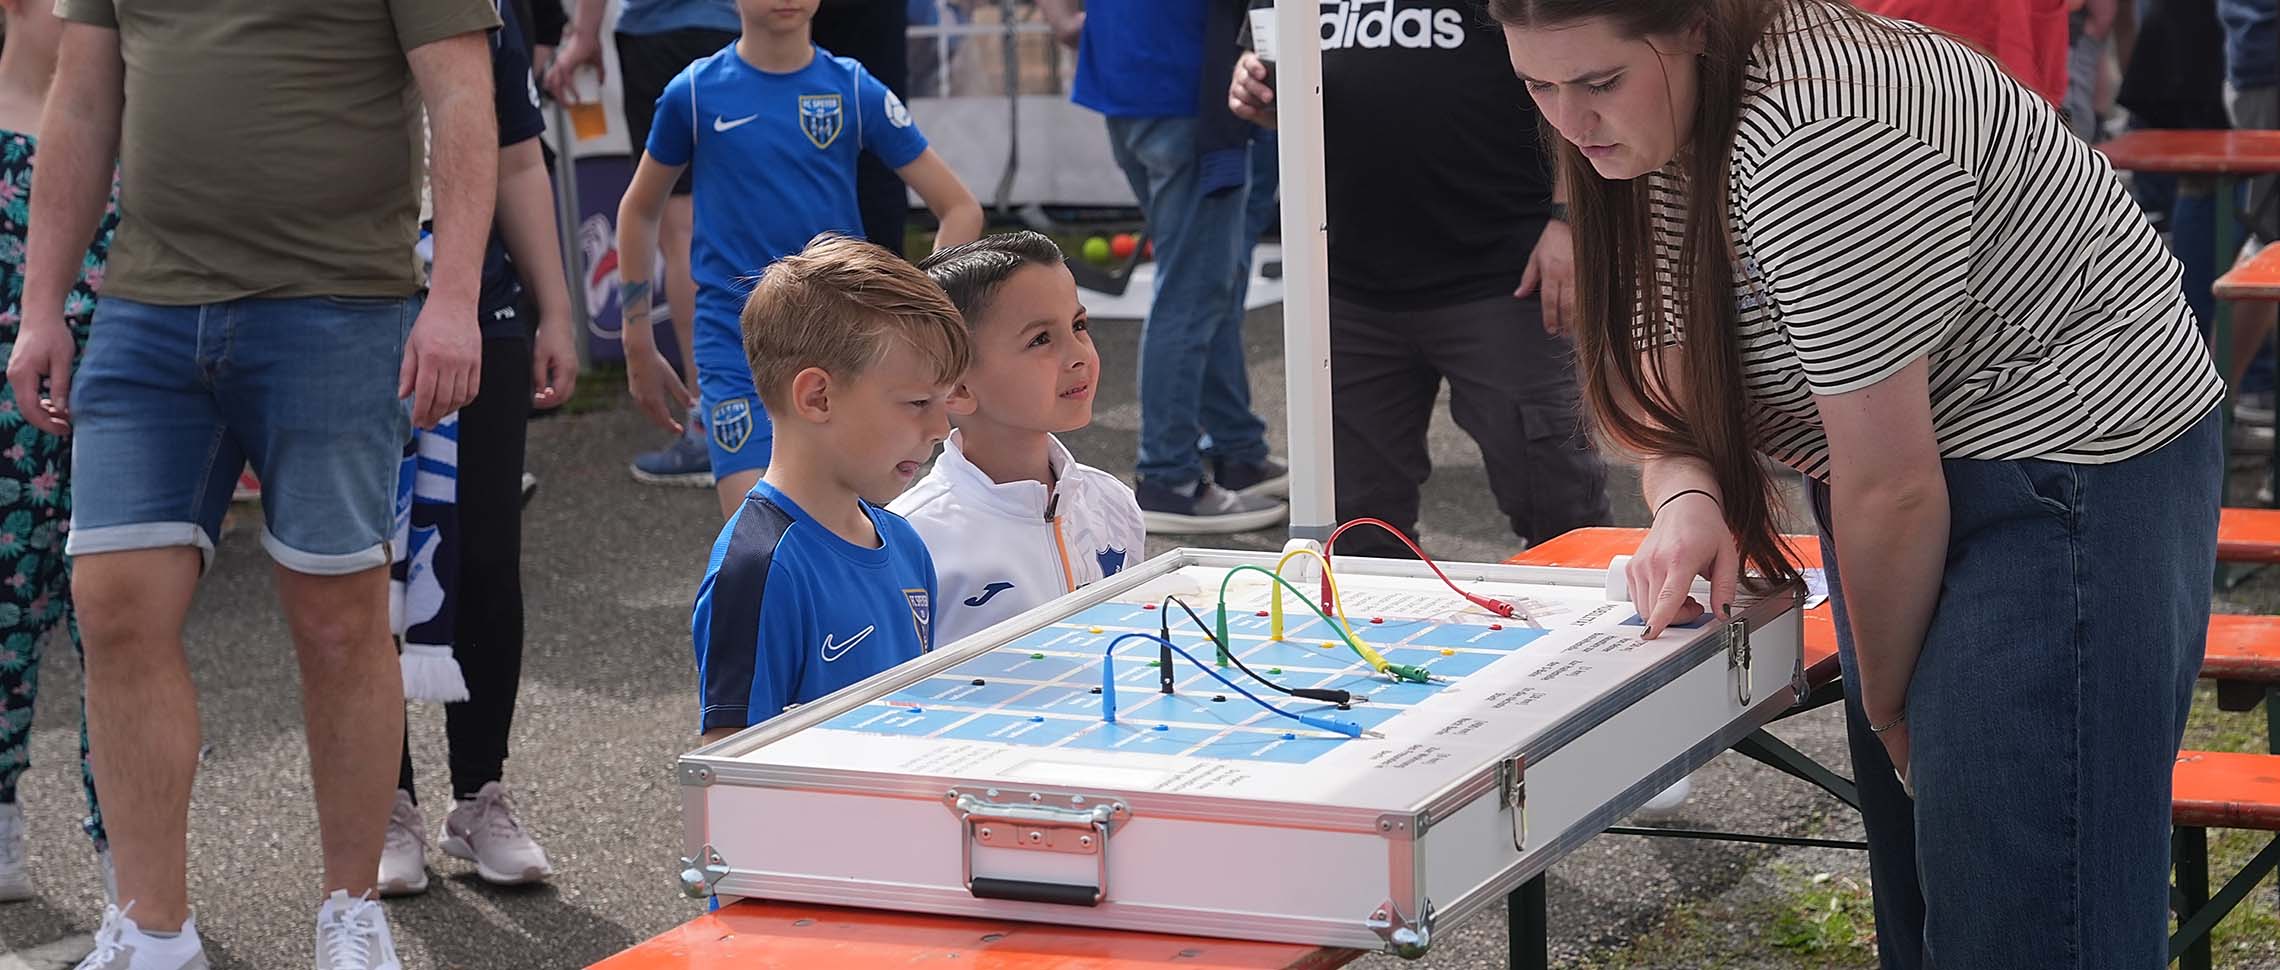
(2044, 714)
(1192, 378)
(171, 402)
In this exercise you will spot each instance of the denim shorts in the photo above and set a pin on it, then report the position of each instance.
(172, 402)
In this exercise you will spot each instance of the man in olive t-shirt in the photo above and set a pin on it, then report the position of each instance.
(262, 306)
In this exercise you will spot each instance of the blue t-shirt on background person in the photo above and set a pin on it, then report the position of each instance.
(1140, 58)
(789, 612)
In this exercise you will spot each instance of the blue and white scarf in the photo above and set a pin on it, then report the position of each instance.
(424, 578)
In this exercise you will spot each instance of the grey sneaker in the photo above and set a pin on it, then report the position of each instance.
(15, 874)
(121, 945)
(352, 934)
(1209, 510)
(403, 856)
(483, 830)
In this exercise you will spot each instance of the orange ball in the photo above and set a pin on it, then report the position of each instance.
(1123, 245)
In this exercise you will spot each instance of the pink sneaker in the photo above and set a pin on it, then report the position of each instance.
(483, 830)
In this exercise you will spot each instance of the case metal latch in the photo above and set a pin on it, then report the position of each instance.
(1035, 822)
(699, 877)
(1512, 793)
(1738, 659)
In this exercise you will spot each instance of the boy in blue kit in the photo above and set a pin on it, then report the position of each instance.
(812, 586)
(771, 129)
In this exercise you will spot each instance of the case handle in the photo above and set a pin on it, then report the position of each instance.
(1035, 825)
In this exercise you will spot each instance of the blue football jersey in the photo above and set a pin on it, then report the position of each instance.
(789, 612)
(772, 158)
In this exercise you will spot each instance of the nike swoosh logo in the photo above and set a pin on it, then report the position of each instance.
(833, 651)
(988, 593)
(723, 124)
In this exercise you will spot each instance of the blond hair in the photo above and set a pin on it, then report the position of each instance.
(841, 304)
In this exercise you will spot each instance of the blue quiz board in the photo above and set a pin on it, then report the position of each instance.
(1044, 689)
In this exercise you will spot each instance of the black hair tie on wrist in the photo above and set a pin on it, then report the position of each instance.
(1683, 493)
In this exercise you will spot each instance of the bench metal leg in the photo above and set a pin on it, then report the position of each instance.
(2197, 911)
(1528, 930)
(2189, 850)
(1766, 749)
(2272, 718)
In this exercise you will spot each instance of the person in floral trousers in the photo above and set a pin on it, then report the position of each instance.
(35, 467)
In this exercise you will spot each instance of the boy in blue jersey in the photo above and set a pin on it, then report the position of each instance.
(812, 586)
(771, 129)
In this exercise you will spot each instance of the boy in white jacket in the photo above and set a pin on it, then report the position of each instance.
(1011, 519)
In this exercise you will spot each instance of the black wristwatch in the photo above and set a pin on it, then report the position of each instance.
(1558, 211)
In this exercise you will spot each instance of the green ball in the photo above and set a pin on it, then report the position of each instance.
(1096, 250)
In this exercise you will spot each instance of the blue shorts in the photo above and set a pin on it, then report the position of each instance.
(172, 402)
(738, 431)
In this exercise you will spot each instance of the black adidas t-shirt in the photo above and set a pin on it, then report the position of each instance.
(1436, 187)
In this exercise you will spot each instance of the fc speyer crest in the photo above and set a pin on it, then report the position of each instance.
(821, 118)
(731, 424)
(921, 615)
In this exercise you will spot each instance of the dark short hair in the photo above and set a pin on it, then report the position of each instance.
(972, 273)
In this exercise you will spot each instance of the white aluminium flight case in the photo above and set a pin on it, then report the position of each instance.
(913, 791)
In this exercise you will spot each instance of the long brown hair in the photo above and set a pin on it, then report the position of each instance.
(1625, 294)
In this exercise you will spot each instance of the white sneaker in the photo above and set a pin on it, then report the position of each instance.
(15, 875)
(121, 945)
(352, 934)
(403, 857)
(483, 830)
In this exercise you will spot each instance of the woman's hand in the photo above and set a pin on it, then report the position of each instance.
(1689, 539)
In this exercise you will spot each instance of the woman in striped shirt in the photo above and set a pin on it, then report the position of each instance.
(1857, 247)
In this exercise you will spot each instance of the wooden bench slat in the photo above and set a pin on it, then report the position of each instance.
(2257, 279)
(2248, 535)
(2243, 647)
(2201, 152)
(2226, 790)
(764, 934)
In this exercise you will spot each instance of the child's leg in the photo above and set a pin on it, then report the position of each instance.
(731, 489)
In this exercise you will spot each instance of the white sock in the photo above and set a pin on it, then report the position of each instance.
(183, 940)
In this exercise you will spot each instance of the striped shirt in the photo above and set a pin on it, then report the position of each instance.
(1896, 197)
